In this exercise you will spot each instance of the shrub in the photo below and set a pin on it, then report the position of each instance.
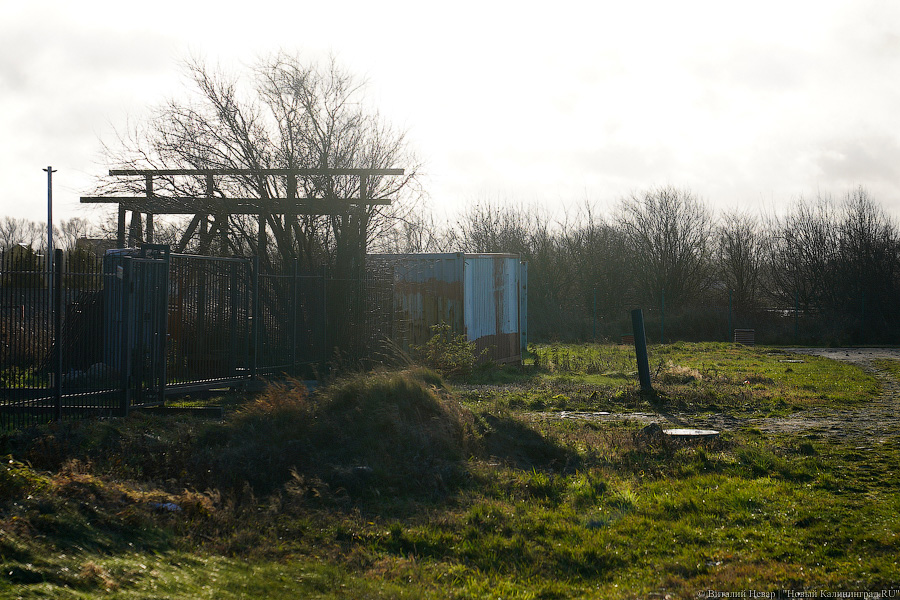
(449, 353)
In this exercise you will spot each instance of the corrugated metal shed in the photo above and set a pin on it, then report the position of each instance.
(480, 295)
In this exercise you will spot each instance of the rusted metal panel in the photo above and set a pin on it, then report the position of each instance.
(492, 304)
(428, 290)
(478, 295)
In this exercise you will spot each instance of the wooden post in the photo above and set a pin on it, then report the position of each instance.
(120, 232)
(261, 236)
(136, 230)
(149, 228)
(148, 184)
(640, 349)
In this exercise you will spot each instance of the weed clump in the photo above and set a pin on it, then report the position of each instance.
(405, 426)
(398, 430)
(17, 479)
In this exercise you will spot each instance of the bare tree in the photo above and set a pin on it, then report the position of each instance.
(414, 233)
(802, 255)
(668, 232)
(20, 231)
(292, 115)
(596, 249)
(68, 232)
(493, 226)
(839, 264)
(868, 264)
(739, 247)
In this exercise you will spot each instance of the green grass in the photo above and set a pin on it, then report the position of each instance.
(698, 377)
(889, 365)
(393, 485)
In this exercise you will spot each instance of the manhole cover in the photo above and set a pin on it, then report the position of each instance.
(691, 432)
(581, 415)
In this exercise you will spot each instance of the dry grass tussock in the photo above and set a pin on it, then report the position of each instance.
(677, 374)
(381, 430)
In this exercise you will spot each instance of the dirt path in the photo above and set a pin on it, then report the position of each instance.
(867, 424)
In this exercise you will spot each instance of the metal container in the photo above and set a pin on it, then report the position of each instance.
(482, 296)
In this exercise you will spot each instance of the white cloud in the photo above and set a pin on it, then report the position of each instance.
(740, 102)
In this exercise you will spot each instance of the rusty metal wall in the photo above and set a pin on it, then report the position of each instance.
(492, 305)
(428, 290)
(478, 295)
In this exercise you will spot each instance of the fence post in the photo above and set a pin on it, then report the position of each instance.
(294, 305)
(662, 319)
(57, 334)
(163, 324)
(325, 314)
(257, 314)
(127, 323)
(233, 322)
(640, 349)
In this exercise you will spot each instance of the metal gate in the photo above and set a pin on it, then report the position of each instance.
(137, 325)
(136, 295)
(210, 321)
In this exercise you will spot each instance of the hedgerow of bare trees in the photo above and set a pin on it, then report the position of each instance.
(32, 234)
(668, 232)
(825, 272)
(838, 261)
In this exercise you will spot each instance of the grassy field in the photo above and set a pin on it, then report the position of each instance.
(398, 484)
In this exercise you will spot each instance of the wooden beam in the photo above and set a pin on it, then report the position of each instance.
(226, 203)
(192, 227)
(234, 206)
(148, 189)
(251, 172)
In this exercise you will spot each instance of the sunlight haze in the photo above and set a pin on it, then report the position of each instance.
(749, 105)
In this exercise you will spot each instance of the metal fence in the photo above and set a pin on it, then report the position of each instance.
(105, 335)
(52, 340)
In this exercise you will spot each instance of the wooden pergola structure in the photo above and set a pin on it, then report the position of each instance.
(144, 208)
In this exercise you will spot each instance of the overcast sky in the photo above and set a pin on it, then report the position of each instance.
(747, 104)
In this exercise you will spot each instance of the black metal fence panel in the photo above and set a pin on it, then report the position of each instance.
(101, 335)
(41, 379)
(292, 316)
(209, 316)
(361, 318)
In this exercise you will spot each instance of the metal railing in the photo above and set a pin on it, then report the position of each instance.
(130, 328)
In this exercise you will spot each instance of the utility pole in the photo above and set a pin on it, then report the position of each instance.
(50, 171)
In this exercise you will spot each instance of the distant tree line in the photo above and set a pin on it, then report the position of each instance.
(825, 272)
